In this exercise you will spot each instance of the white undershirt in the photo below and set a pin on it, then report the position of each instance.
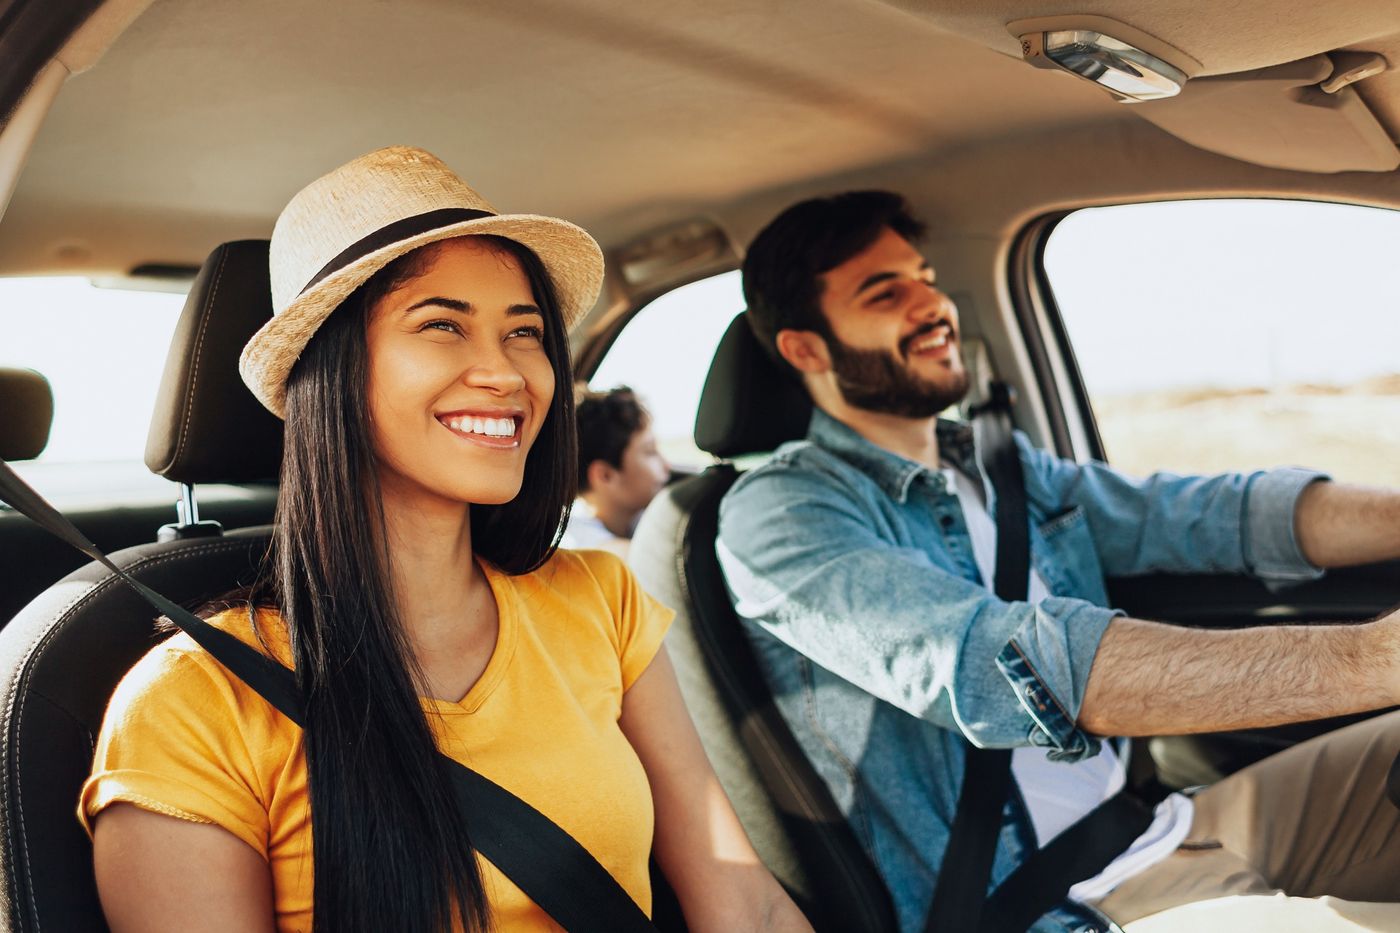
(586, 530)
(1057, 793)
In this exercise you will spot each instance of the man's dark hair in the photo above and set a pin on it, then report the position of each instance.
(607, 422)
(806, 240)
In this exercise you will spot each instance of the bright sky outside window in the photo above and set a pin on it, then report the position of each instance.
(1236, 334)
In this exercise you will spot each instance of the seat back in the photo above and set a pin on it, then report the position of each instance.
(60, 659)
(748, 406)
(63, 654)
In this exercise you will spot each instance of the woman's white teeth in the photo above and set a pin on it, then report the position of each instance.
(491, 427)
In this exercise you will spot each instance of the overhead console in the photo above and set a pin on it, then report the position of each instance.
(1304, 115)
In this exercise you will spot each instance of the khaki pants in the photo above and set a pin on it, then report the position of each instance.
(1305, 840)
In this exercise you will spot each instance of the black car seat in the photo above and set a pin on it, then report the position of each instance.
(748, 406)
(63, 654)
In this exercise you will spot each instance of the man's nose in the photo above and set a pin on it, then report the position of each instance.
(933, 305)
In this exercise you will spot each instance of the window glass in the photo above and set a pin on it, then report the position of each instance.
(103, 351)
(664, 353)
(1237, 334)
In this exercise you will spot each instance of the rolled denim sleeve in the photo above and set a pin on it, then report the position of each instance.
(811, 563)
(1165, 523)
(1271, 548)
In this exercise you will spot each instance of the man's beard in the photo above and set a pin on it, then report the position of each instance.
(874, 380)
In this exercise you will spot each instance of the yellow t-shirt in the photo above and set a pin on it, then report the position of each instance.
(184, 737)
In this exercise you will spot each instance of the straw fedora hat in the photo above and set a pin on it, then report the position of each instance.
(345, 226)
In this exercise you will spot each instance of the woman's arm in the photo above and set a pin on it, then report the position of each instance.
(709, 861)
(158, 873)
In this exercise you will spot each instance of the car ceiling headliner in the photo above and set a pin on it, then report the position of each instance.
(205, 116)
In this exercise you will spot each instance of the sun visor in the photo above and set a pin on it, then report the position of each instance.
(1280, 117)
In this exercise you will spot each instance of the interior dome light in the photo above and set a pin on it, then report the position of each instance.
(1127, 72)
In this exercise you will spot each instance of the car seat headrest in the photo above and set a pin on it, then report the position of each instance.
(207, 427)
(749, 404)
(27, 401)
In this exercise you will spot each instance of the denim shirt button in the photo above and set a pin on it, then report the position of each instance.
(946, 521)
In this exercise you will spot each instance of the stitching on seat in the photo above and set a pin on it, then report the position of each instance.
(22, 683)
(198, 354)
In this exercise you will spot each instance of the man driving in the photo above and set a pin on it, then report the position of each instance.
(861, 560)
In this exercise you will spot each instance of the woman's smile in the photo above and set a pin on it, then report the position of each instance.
(488, 429)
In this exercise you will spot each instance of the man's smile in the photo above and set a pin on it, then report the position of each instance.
(929, 341)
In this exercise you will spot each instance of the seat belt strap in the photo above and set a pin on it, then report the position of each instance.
(965, 873)
(551, 867)
(1080, 852)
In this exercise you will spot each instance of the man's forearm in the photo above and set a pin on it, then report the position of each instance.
(1154, 679)
(1338, 525)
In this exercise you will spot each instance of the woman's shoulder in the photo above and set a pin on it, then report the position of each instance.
(596, 586)
(592, 562)
(177, 671)
(583, 571)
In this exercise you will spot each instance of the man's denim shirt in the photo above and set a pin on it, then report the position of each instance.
(854, 571)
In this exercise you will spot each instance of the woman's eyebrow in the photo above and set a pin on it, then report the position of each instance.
(451, 304)
(465, 307)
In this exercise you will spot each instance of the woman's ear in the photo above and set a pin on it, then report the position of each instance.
(805, 351)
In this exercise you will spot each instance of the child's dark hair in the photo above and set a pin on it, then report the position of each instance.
(607, 422)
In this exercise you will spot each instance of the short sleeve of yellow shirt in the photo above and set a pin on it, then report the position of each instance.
(184, 737)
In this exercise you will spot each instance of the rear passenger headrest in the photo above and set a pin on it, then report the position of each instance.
(27, 401)
(748, 404)
(207, 427)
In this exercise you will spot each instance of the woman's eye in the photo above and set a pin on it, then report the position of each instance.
(536, 333)
(442, 324)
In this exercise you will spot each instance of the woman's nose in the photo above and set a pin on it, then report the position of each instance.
(494, 371)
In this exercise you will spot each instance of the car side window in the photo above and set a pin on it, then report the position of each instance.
(664, 353)
(1236, 334)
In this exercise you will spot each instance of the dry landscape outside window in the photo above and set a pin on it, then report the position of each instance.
(1232, 335)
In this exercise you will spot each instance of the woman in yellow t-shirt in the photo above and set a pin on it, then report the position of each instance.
(418, 353)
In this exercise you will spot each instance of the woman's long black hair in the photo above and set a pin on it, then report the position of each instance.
(390, 849)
